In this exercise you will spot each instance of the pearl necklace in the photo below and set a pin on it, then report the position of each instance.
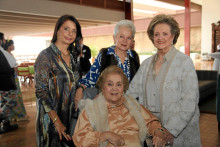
(160, 61)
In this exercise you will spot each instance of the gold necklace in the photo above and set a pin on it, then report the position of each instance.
(68, 54)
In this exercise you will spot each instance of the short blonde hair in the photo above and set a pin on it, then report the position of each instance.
(164, 19)
(112, 69)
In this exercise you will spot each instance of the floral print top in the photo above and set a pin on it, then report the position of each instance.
(92, 76)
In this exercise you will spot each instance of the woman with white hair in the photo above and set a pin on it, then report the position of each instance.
(118, 54)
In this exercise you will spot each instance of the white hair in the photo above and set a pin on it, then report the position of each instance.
(126, 23)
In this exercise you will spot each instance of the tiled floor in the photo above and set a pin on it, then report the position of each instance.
(209, 130)
(25, 135)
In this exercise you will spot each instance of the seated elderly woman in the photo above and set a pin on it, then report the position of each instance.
(115, 119)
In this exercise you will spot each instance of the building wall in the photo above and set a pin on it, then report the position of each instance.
(100, 37)
(143, 43)
(210, 14)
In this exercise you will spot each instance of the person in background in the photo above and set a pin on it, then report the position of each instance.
(218, 47)
(85, 55)
(116, 119)
(7, 90)
(167, 84)
(18, 111)
(133, 45)
(56, 82)
(118, 54)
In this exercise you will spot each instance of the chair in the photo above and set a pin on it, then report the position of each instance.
(207, 83)
(26, 72)
(215, 36)
(31, 72)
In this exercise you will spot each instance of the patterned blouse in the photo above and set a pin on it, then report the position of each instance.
(55, 89)
(92, 76)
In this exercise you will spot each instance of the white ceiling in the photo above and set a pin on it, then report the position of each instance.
(15, 24)
(149, 8)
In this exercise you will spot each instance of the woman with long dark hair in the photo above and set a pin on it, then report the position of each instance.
(56, 81)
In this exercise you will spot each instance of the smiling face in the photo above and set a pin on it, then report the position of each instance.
(123, 40)
(113, 88)
(67, 33)
(163, 38)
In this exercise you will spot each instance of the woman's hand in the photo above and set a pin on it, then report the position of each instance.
(58, 125)
(112, 137)
(169, 137)
(61, 130)
(162, 137)
(158, 142)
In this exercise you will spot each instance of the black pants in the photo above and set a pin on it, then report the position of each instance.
(145, 144)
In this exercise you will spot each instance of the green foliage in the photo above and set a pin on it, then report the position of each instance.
(195, 52)
(94, 50)
(145, 53)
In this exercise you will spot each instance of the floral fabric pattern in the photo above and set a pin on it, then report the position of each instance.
(18, 111)
(55, 89)
(92, 76)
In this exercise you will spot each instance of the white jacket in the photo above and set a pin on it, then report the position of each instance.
(179, 95)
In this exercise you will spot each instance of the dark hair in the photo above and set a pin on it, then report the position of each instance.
(8, 43)
(164, 19)
(1, 36)
(112, 69)
(75, 46)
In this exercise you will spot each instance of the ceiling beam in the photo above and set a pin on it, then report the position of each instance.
(181, 3)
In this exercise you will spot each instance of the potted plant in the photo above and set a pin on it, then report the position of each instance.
(94, 52)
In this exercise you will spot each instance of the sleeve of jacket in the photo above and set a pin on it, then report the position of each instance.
(189, 98)
(42, 68)
(84, 135)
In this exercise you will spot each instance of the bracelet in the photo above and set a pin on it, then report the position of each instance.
(82, 87)
(55, 119)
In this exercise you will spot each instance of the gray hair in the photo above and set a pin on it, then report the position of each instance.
(126, 23)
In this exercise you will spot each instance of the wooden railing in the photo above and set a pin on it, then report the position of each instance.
(106, 4)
